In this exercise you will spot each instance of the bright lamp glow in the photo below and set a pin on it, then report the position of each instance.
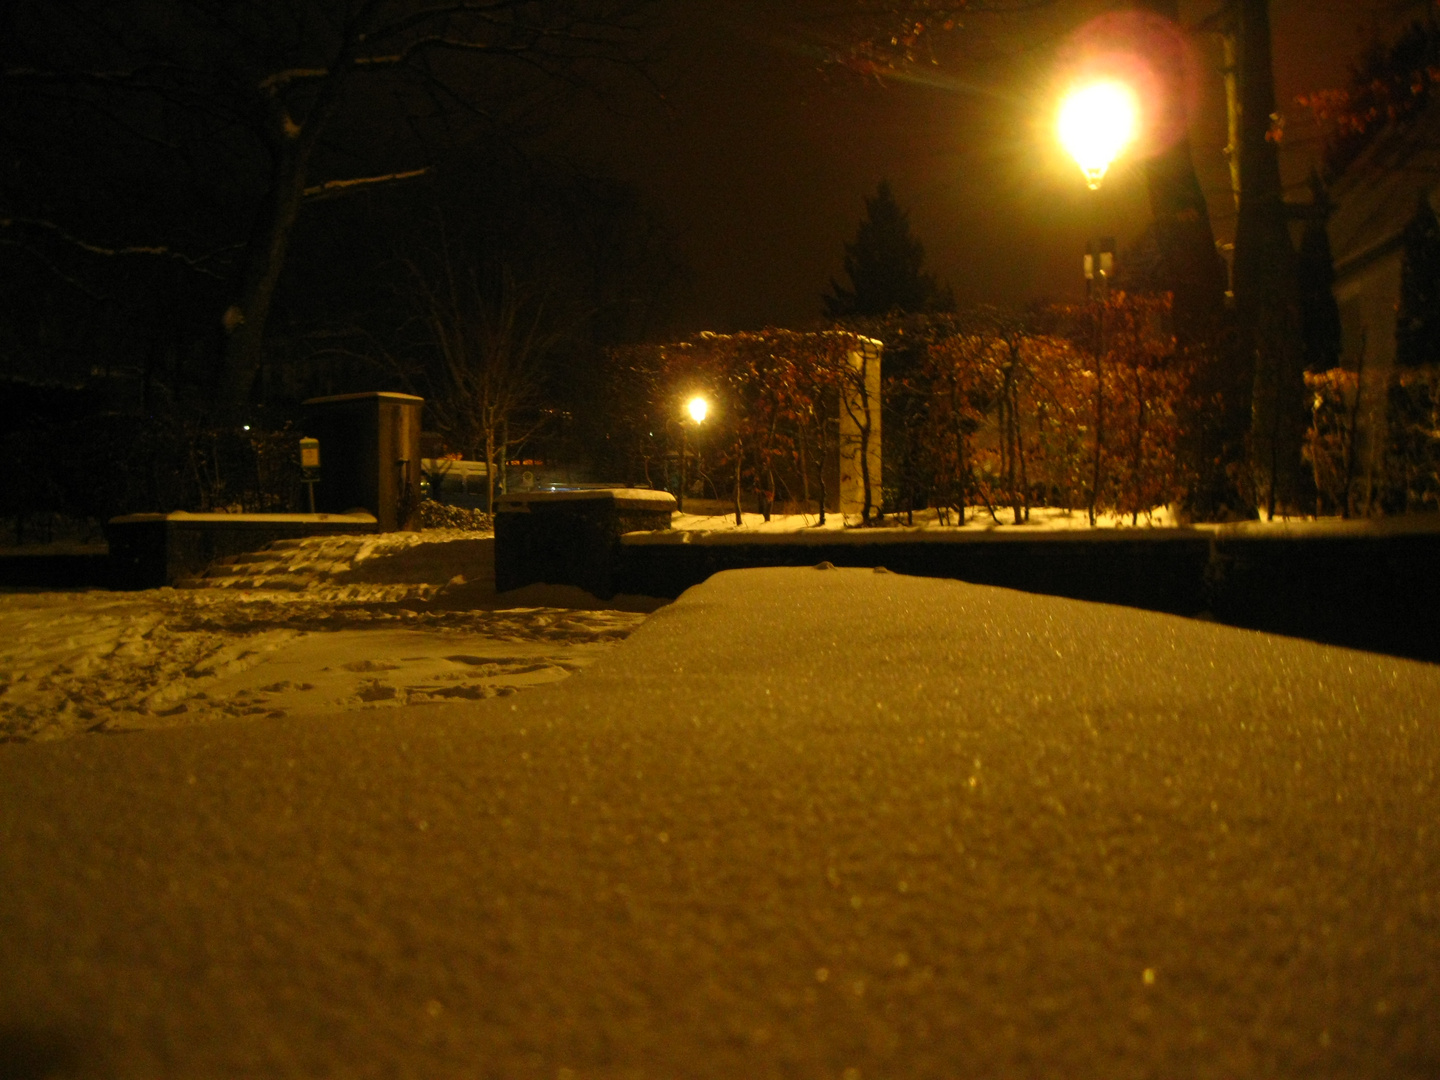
(698, 407)
(1096, 123)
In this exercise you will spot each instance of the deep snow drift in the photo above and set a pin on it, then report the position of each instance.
(802, 823)
(304, 627)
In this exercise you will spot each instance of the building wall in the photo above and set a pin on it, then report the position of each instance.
(1368, 298)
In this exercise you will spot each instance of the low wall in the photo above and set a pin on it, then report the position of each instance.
(151, 550)
(572, 537)
(1370, 585)
(1159, 569)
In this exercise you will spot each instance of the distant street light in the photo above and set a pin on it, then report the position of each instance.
(1096, 123)
(698, 408)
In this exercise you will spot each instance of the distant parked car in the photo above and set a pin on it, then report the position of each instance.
(455, 482)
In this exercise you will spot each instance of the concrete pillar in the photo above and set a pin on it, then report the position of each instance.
(369, 454)
(860, 433)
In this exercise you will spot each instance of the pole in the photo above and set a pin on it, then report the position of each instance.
(1103, 269)
(680, 498)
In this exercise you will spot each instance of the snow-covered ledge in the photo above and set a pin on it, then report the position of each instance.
(150, 550)
(645, 500)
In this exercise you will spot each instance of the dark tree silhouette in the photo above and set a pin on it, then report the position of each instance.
(1267, 292)
(1389, 87)
(884, 267)
(1417, 331)
(1192, 270)
(252, 109)
(1319, 314)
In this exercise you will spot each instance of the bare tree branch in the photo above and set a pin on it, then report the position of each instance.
(196, 264)
(280, 79)
(331, 188)
(69, 279)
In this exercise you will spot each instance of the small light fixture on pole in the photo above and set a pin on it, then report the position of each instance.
(1097, 121)
(698, 408)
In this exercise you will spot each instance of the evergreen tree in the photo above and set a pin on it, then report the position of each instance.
(1417, 330)
(883, 265)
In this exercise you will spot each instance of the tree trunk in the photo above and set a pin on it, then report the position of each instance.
(739, 515)
(804, 472)
(962, 467)
(1139, 462)
(1267, 301)
(1194, 272)
(264, 259)
(1347, 506)
(1020, 456)
(820, 445)
(1099, 407)
(1195, 275)
(504, 463)
(245, 319)
(489, 468)
(868, 508)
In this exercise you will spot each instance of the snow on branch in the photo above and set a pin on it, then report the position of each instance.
(497, 13)
(271, 83)
(69, 279)
(331, 188)
(436, 41)
(39, 224)
(510, 35)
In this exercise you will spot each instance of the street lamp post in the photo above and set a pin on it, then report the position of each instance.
(1095, 125)
(697, 407)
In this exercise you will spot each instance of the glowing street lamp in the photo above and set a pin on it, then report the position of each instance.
(1096, 123)
(698, 407)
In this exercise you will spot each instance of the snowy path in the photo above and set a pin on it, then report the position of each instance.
(803, 823)
(308, 627)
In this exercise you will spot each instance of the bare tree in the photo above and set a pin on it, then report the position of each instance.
(282, 95)
(480, 358)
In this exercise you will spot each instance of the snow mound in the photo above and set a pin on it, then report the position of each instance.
(314, 562)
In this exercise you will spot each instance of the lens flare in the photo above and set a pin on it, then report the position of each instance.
(1097, 122)
(698, 407)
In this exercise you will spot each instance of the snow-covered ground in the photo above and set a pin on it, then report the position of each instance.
(335, 622)
(805, 824)
(303, 628)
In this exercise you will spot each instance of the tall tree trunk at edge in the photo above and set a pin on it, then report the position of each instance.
(1267, 300)
(1193, 269)
(1195, 276)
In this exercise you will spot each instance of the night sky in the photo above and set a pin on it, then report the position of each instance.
(759, 160)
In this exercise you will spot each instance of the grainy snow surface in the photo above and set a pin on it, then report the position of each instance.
(803, 823)
(305, 627)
